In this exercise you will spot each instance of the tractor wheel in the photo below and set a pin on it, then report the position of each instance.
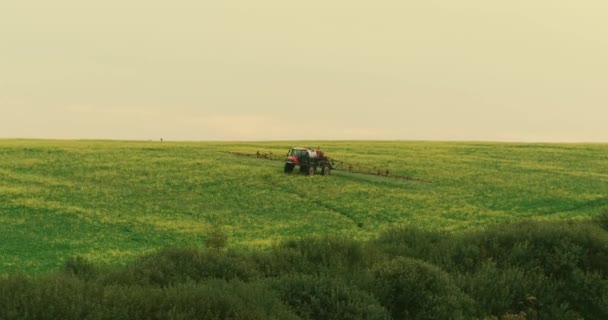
(312, 170)
(326, 170)
(289, 167)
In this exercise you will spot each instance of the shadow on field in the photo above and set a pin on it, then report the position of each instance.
(526, 270)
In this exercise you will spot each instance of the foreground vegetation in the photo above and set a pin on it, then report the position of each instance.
(526, 270)
(110, 202)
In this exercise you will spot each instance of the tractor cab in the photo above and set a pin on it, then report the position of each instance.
(296, 155)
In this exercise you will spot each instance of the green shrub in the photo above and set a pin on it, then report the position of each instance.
(314, 297)
(212, 299)
(338, 256)
(412, 242)
(217, 239)
(563, 265)
(53, 297)
(174, 266)
(556, 248)
(80, 267)
(501, 291)
(413, 289)
(602, 220)
(70, 298)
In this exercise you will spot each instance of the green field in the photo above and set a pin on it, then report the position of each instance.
(112, 201)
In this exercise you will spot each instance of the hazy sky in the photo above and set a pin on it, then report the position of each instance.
(526, 70)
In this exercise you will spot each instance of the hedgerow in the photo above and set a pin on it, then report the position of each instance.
(525, 270)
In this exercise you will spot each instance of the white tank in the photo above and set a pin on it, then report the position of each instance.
(312, 154)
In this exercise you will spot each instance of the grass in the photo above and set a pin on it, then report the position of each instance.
(112, 201)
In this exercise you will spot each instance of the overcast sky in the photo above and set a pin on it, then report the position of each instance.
(517, 70)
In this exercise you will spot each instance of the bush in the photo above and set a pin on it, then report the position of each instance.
(501, 291)
(556, 248)
(69, 298)
(80, 267)
(217, 239)
(602, 220)
(563, 265)
(212, 299)
(326, 298)
(413, 289)
(52, 297)
(328, 253)
(174, 266)
(413, 242)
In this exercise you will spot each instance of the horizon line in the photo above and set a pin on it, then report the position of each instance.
(304, 140)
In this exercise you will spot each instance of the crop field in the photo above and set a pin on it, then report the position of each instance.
(112, 201)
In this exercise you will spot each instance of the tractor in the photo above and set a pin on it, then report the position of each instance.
(308, 160)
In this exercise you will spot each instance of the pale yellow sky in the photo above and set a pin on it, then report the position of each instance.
(517, 70)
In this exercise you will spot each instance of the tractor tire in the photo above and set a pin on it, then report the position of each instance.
(289, 167)
(326, 170)
(312, 170)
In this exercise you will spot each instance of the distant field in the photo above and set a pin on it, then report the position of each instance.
(111, 201)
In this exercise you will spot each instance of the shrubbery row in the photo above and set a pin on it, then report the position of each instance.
(526, 270)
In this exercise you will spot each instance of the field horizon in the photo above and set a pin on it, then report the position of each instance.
(535, 142)
(110, 201)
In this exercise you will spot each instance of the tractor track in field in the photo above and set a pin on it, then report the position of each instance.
(338, 211)
(319, 203)
(599, 202)
(360, 178)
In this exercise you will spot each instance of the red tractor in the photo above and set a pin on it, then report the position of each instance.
(308, 160)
